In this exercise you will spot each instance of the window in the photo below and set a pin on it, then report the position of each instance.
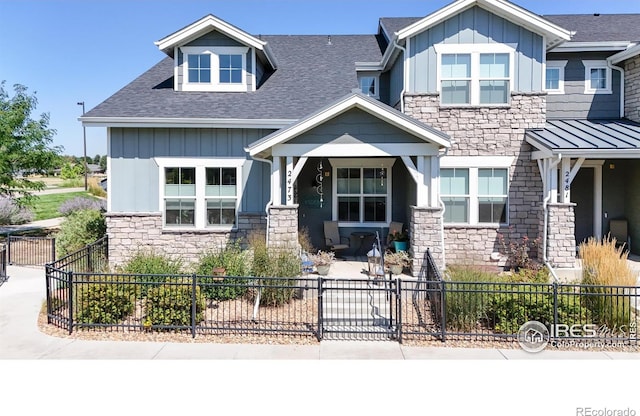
(369, 85)
(214, 69)
(554, 80)
(230, 69)
(597, 77)
(475, 195)
(199, 68)
(200, 195)
(474, 74)
(362, 193)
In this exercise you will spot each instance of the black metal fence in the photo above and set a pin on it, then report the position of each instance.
(427, 308)
(3, 264)
(30, 251)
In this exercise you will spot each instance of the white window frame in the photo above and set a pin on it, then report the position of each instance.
(475, 50)
(588, 66)
(474, 164)
(200, 164)
(379, 163)
(215, 84)
(560, 66)
(376, 80)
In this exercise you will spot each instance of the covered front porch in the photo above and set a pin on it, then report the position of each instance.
(362, 165)
(590, 171)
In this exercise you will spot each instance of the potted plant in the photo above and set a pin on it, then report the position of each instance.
(322, 260)
(400, 240)
(397, 261)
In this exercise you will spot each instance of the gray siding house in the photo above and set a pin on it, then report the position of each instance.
(477, 121)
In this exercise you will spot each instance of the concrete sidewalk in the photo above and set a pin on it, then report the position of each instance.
(22, 295)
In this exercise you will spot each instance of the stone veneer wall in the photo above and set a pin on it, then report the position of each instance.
(283, 226)
(131, 232)
(632, 89)
(426, 233)
(490, 131)
(561, 250)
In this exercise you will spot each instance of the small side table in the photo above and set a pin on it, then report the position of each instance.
(362, 235)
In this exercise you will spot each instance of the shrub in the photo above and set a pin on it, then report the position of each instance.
(170, 305)
(12, 214)
(156, 268)
(103, 303)
(519, 252)
(235, 262)
(79, 229)
(95, 188)
(605, 267)
(275, 263)
(80, 203)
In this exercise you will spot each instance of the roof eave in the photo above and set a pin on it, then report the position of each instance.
(624, 55)
(591, 46)
(180, 122)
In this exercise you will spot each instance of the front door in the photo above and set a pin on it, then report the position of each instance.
(582, 196)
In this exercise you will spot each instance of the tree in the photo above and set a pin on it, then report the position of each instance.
(25, 145)
(103, 163)
(96, 160)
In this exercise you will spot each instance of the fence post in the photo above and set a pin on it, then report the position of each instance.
(89, 255)
(443, 310)
(399, 309)
(70, 291)
(320, 308)
(555, 309)
(9, 248)
(194, 308)
(53, 249)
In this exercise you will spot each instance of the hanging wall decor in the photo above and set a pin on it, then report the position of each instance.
(319, 183)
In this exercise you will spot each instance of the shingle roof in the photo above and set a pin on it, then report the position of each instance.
(311, 73)
(394, 24)
(599, 27)
(582, 137)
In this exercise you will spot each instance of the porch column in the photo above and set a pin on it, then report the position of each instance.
(276, 189)
(283, 226)
(426, 233)
(561, 242)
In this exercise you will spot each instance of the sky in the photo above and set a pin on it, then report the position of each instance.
(70, 51)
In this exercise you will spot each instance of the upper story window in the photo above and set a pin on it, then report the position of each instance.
(554, 80)
(214, 68)
(597, 77)
(475, 74)
(369, 85)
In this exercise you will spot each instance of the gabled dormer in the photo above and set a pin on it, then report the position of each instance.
(472, 53)
(212, 55)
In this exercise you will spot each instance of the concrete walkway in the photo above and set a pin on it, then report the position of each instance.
(22, 296)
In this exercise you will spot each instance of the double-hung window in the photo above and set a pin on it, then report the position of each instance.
(475, 74)
(362, 191)
(475, 190)
(220, 68)
(597, 76)
(200, 194)
(554, 79)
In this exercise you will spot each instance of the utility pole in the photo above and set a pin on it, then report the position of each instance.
(84, 141)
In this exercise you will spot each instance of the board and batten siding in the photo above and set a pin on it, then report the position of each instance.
(574, 103)
(476, 26)
(135, 176)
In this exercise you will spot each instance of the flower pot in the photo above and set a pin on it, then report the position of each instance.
(400, 245)
(323, 269)
(396, 269)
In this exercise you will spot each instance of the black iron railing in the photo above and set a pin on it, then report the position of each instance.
(30, 251)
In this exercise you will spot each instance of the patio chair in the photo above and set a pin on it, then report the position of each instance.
(619, 229)
(332, 238)
(394, 227)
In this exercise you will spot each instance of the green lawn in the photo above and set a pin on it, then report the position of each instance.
(47, 206)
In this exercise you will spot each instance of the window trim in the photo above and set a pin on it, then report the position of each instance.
(386, 163)
(200, 165)
(214, 84)
(474, 164)
(475, 50)
(560, 65)
(600, 64)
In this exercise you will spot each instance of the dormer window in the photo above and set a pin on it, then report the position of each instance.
(369, 85)
(475, 74)
(214, 68)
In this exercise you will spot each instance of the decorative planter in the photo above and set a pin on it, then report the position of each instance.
(323, 269)
(400, 245)
(218, 273)
(396, 269)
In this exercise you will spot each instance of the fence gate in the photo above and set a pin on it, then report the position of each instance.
(31, 251)
(364, 309)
